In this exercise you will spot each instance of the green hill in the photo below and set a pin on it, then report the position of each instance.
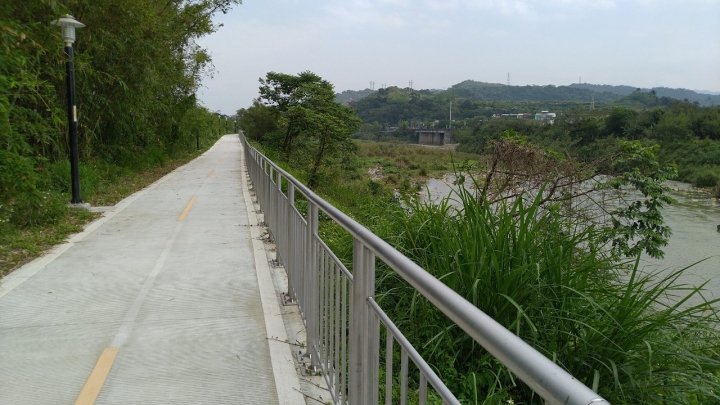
(705, 100)
(473, 90)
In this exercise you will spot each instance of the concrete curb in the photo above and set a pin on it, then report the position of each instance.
(281, 357)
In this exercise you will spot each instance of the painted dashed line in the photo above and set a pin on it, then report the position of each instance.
(187, 208)
(97, 377)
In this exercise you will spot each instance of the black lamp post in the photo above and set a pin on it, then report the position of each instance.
(68, 25)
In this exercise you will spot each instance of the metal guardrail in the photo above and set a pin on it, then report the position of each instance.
(343, 320)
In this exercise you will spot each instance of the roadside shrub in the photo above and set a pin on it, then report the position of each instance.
(22, 203)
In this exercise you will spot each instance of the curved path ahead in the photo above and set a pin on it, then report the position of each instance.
(157, 302)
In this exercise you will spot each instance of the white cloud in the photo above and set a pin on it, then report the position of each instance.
(442, 5)
(540, 9)
(380, 12)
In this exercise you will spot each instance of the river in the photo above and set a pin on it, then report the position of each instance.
(694, 219)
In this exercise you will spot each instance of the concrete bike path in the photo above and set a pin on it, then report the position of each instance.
(156, 303)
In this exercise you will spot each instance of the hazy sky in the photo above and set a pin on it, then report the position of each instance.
(438, 43)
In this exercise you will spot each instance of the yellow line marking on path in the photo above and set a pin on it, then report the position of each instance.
(95, 382)
(211, 173)
(187, 208)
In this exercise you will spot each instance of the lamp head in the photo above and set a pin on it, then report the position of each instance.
(68, 24)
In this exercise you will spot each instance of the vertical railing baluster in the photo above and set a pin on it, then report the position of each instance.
(423, 389)
(372, 343)
(403, 377)
(388, 367)
(336, 335)
(344, 369)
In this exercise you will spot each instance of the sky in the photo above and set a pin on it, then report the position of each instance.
(439, 43)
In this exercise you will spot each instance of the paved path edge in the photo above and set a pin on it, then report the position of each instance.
(17, 277)
(281, 357)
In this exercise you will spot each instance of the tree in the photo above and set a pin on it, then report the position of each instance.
(518, 167)
(258, 121)
(329, 127)
(283, 91)
(304, 107)
(619, 121)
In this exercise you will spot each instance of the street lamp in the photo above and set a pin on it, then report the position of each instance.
(68, 24)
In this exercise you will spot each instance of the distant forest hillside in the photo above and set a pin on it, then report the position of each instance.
(705, 100)
(348, 96)
(499, 92)
(576, 92)
(391, 105)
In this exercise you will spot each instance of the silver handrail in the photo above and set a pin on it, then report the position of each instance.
(342, 319)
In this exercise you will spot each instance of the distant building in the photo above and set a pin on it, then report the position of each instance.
(434, 136)
(545, 116)
(541, 116)
(520, 116)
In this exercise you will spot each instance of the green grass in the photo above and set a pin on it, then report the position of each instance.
(548, 280)
(408, 166)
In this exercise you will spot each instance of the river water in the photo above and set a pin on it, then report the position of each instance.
(694, 220)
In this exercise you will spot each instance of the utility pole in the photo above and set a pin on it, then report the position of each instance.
(508, 80)
(410, 83)
(372, 85)
(592, 104)
(451, 115)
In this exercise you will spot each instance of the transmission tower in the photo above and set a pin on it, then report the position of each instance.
(508, 80)
(372, 85)
(410, 82)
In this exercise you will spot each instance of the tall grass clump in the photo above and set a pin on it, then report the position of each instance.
(629, 335)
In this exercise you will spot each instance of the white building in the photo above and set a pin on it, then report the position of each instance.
(545, 116)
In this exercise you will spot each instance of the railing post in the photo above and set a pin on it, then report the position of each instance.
(290, 266)
(270, 216)
(280, 237)
(310, 275)
(364, 331)
(372, 336)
